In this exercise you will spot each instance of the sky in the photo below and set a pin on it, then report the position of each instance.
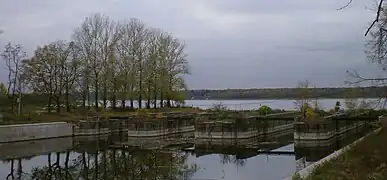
(230, 43)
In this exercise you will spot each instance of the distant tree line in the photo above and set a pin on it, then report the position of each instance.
(286, 93)
(112, 61)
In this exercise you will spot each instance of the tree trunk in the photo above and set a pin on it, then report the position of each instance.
(155, 99)
(96, 93)
(140, 88)
(105, 94)
(114, 98)
(49, 104)
(67, 100)
(131, 96)
(123, 102)
(161, 99)
(96, 165)
(149, 97)
(57, 104)
(85, 167)
(84, 99)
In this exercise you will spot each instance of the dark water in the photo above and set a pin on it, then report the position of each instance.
(96, 158)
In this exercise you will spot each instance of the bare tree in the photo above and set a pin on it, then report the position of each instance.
(303, 100)
(375, 50)
(132, 49)
(14, 55)
(96, 39)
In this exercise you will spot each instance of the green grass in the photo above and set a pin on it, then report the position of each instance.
(364, 161)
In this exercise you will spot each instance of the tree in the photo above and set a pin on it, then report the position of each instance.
(375, 49)
(96, 40)
(14, 55)
(351, 102)
(264, 110)
(303, 94)
(47, 73)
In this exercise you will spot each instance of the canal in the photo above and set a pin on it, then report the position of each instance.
(92, 157)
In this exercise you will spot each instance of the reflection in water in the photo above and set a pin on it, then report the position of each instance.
(112, 164)
(94, 158)
(227, 159)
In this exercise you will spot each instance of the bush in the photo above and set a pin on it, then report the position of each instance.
(265, 110)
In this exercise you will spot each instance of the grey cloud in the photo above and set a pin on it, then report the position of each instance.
(245, 43)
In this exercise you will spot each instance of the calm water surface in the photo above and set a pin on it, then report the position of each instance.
(325, 104)
(96, 158)
(80, 158)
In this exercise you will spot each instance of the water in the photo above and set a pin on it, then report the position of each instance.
(96, 158)
(325, 104)
(91, 158)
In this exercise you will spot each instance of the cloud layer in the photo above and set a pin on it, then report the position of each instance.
(231, 44)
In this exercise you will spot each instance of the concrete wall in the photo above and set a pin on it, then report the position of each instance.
(241, 135)
(161, 132)
(22, 132)
(315, 138)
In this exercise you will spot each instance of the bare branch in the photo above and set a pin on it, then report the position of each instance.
(345, 6)
(377, 17)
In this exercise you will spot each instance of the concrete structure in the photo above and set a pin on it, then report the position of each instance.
(242, 128)
(22, 132)
(304, 173)
(318, 132)
(96, 127)
(160, 127)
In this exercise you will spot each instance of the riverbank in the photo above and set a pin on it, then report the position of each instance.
(365, 160)
(48, 117)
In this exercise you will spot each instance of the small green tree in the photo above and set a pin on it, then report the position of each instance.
(220, 111)
(264, 110)
(303, 94)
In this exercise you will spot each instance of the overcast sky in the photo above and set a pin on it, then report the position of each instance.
(230, 43)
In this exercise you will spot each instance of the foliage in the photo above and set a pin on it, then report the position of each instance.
(296, 176)
(3, 90)
(337, 106)
(115, 164)
(105, 59)
(264, 110)
(303, 94)
(220, 110)
(142, 113)
(309, 113)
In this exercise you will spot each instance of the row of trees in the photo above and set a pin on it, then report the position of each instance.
(105, 60)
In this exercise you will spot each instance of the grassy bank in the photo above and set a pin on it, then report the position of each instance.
(365, 160)
(38, 116)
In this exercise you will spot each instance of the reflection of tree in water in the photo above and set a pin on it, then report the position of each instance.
(117, 164)
(18, 172)
(227, 159)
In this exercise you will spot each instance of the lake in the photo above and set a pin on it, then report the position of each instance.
(285, 104)
(325, 104)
